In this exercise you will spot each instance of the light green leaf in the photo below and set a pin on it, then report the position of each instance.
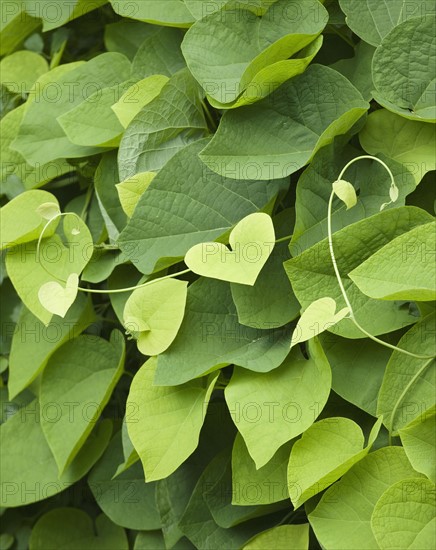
(273, 408)
(316, 318)
(93, 123)
(325, 452)
(296, 129)
(404, 269)
(13, 165)
(419, 442)
(173, 13)
(131, 190)
(154, 314)
(243, 44)
(407, 141)
(201, 8)
(408, 387)
(341, 520)
(169, 420)
(346, 192)
(134, 504)
(400, 60)
(373, 20)
(56, 15)
(126, 36)
(164, 126)
(20, 70)
(76, 385)
(25, 455)
(33, 339)
(251, 240)
(314, 189)
(22, 219)
(220, 204)
(353, 245)
(48, 210)
(211, 337)
(266, 485)
(404, 516)
(271, 77)
(270, 302)
(137, 96)
(283, 537)
(41, 138)
(70, 528)
(29, 271)
(55, 298)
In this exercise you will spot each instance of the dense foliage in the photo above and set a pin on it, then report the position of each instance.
(218, 275)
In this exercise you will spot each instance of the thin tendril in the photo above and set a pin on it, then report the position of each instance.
(351, 314)
(41, 236)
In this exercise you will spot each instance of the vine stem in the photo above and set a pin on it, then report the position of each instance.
(351, 314)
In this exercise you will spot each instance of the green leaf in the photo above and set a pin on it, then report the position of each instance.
(408, 387)
(282, 537)
(159, 54)
(33, 339)
(219, 204)
(169, 420)
(163, 127)
(20, 70)
(419, 442)
(360, 383)
(145, 541)
(251, 240)
(342, 519)
(29, 271)
(22, 219)
(296, 129)
(126, 36)
(137, 96)
(316, 318)
(26, 456)
(315, 186)
(73, 400)
(134, 504)
(404, 516)
(270, 302)
(266, 485)
(69, 528)
(211, 337)
(173, 13)
(41, 138)
(358, 68)
(131, 190)
(407, 141)
(273, 408)
(404, 269)
(325, 452)
(400, 60)
(55, 298)
(154, 314)
(243, 44)
(55, 15)
(353, 245)
(13, 165)
(93, 123)
(373, 20)
(15, 26)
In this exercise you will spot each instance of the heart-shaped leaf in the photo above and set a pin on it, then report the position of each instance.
(252, 241)
(318, 317)
(155, 313)
(58, 299)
